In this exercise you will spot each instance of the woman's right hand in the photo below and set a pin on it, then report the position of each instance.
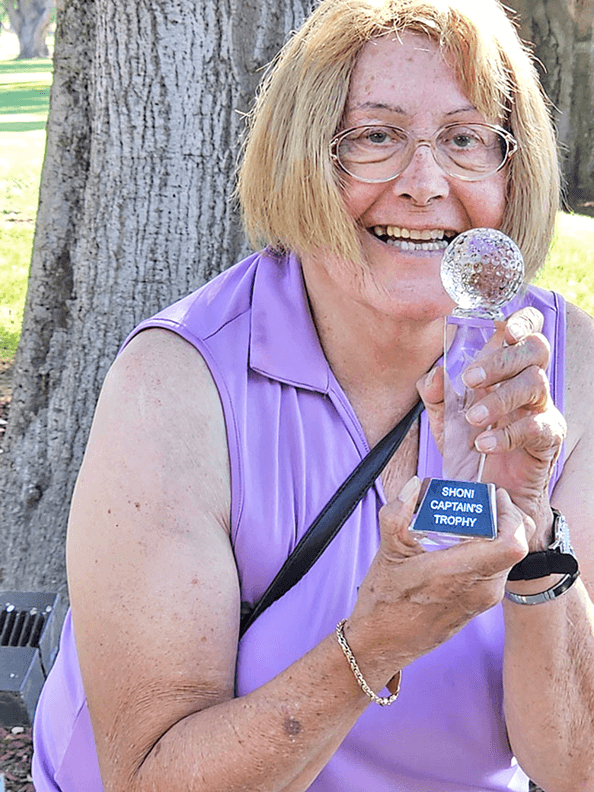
(412, 600)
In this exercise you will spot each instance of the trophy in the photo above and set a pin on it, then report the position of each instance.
(481, 270)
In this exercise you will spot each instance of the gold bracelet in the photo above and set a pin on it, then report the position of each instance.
(381, 700)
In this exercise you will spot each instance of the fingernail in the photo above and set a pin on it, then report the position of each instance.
(410, 488)
(474, 376)
(477, 414)
(485, 443)
(516, 329)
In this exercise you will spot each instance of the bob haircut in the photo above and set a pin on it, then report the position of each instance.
(289, 190)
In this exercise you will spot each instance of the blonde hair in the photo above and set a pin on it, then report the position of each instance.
(288, 188)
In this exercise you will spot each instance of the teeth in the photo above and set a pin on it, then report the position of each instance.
(409, 233)
(403, 244)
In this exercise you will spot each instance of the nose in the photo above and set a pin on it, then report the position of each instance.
(423, 179)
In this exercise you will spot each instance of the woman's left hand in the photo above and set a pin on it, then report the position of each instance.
(522, 430)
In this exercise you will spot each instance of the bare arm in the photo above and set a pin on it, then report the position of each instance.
(155, 599)
(549, 657)
(549, 648)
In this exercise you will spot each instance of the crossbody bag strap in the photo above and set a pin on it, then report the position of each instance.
(331, 519)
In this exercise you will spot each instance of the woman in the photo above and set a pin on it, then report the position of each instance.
(287, 369)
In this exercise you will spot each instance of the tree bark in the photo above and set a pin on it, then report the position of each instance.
(562, 32)
(135, 210)
(30, 20)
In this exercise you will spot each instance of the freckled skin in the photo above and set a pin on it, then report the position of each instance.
(407, 82)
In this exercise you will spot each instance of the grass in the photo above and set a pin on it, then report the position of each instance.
(570, 267)
(24, 100)
(24, 96)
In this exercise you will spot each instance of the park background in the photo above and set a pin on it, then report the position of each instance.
(136, 209)
(57, 381)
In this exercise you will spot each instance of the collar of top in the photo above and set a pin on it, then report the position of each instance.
(284, 344)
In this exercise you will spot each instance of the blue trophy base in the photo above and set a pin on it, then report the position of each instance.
(452, 511)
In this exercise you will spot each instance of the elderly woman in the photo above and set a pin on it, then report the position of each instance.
(385, 129)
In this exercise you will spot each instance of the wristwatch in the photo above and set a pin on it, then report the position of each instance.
(558, 558)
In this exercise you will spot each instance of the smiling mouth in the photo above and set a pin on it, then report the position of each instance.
(413, 238)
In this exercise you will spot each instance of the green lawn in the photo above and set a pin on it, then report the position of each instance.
(570, 268)
(24, 96)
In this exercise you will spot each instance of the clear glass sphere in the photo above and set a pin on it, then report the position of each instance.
(482, 269)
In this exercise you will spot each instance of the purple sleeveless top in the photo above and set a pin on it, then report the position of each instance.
(293, 438)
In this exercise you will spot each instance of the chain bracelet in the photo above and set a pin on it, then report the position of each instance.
(383, 701)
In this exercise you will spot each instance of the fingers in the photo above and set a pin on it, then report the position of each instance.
(513, 524)
(395, 519)
(492, 559)
(515, 406)
(430, 388)
(431, 391)
(529, 390)
(541, 435)
(506, 362)
(523, 323)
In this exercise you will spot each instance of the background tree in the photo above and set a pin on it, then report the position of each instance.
(30, 20)
(136, 210)
(563, 36)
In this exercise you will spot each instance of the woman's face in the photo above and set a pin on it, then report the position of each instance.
(406, 82)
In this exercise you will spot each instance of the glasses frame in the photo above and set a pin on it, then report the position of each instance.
(511, 142)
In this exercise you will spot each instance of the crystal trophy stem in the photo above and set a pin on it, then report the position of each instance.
(482, 270)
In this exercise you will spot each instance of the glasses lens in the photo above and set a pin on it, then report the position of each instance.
(373, 153)
(471, 150)
(381, 153)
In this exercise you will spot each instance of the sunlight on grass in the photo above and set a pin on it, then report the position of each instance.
(16, 241)
(24, 99)
(570, 267)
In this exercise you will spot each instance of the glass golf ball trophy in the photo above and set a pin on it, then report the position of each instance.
(481, 270)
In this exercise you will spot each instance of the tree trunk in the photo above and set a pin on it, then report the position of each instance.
(562, 32)
(30, 20)
(135, 210)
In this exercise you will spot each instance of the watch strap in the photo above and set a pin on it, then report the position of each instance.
(545, 596)
(558, 558)
(546, 562)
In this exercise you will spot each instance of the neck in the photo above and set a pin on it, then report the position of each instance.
(377, 355)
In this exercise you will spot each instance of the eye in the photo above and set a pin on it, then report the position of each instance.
(377, 136)
(463, 139)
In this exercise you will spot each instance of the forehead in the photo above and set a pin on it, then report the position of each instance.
(408, 74)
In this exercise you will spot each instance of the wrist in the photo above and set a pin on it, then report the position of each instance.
(543, 535)
(393, 683)
(529, 587)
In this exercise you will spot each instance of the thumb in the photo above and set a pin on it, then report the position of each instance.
(396, 541)
(431, 391)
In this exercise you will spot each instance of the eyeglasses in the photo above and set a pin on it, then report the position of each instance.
(376, 153)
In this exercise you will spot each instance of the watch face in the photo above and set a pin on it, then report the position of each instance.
(561, 541)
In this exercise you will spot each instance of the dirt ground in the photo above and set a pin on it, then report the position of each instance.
(15, 759)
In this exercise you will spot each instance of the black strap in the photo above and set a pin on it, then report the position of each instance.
(331, 519)
(542, 564)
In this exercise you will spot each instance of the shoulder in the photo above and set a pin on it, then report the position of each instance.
(158, 410)
(579, 374)
(211, 307)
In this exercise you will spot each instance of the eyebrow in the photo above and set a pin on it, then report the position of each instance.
(379, 106)
(400, 111)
